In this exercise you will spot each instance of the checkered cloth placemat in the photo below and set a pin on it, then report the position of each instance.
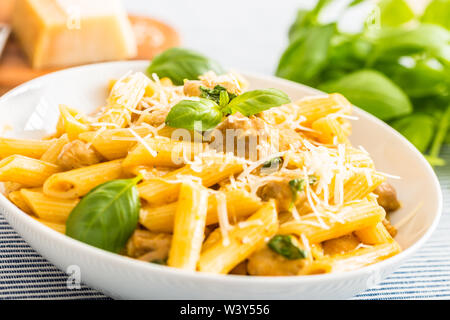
(24, 274)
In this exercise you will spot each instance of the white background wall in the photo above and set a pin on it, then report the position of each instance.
(248, 35)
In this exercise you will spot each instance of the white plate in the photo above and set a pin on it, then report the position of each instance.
(31, 110)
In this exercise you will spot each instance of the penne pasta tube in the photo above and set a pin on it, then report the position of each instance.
(52, 153)
(221, 257)
(72, 122)
(163, 152)
(28, 172)
(189, 227)
(212, 170)
(48, 208)
(361, 185)
(59, 227)
(123, 99)
(25, 147)
(359, 258)
(373, 235)
(358, 158)
(78, 182)
(16, 198)
(314, 108)
(114, 143)
(240, 203)
(331, 131)
(352, 217)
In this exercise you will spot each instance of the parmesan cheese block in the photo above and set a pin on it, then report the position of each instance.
(58, 33)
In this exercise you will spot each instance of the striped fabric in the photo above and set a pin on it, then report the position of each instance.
(24, 274)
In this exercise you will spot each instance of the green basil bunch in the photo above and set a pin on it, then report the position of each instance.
(399, 72)
(107, 216)
(187, 113)
(179, 64)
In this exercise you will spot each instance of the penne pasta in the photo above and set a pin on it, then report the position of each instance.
(26, 171)
(16, 198)
(48, 208)
(373, 235)
(24, 147)
(59, 227)
(354, 260)
(240, 204)
(114, 143)
(72, 122)
(78, 182)
(222, 257)
(52, 153)
(212, 170)
(353, 217)
(330, 131)
(189, 227)
(163, 152)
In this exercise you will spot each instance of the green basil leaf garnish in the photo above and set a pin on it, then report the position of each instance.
(186, 113)
(219, 95)
(179, 64)
(107, 216)
(273, 163)
(298, 185)
(283, 245)
(373, 92)
(256, 101)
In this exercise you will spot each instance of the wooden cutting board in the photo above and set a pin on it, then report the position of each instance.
(153, 37)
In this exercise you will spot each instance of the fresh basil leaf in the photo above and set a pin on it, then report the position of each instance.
(373, 92)
(273, 163)
(395, 12)
(441, 133)
(283, 245)
(179, 64)
(307, 18)
(425, 38)
(107, 216)
(417, 128)
(419, 77)
(186, 112)
(297, 185)
(438, 12)
(256, 101)
(216, 94)
(347, 53)
(306, 57)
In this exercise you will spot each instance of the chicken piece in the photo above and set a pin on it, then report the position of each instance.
(244, 134)
(387, 197)
(340, 245)
(266, 262)
(278, 190)
(149, 246)
(77, 154)
(240, 269)
(390, 228)
(155, 118)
